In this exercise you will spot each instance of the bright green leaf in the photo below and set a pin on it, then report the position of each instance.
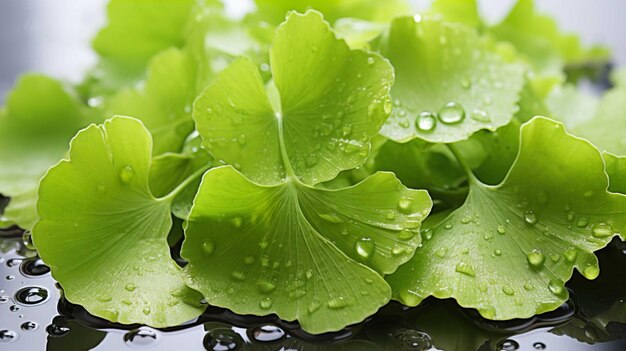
(616, 169)
(303, 253)
(315, 121)
(509, 250)
(40, 118)
(460, 11)
(449, 83)
(164, 103)
(570, 105)
(103, 233)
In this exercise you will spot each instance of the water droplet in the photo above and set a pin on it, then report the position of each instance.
(480, 116)
(364, 248)
(14, 262)
(497, 252)
(556, 287)
(370, 61)
(451, 113)
(7, 336)
(582, 222)
(27, 240)
(236, 222)
(337, 303)
(508, 290)
(426, 122)
(265, 303)
(539, 346)
(238, 275)
(411, 339)
(127, 173)
(404, 205)
(146, 310)
(535, 258)
(508, 345)
(331, 217)
(602, 230)
(248, 260)
(104, 298)
(501, 230)
(221, 339)
(529, 286)
(570, 254)
(130, 287)
(448, 226)
(417, 18)
(465, 268)
(9, 277)
(591, 271)
(4, 299)
(296, 294)
(268, 333)
(314, 306)
(34, 267)
(530, 217)
(57, 330)
(14, 308)
(29, 326)
(208, 246)
(142, 337)
(571, 216)
(31, 296)
(265, 287)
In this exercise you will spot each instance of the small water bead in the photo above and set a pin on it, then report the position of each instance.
(539, 346)
(311, 160)
(14, 262)
(582, 222)
(442, 252)
(142, 337)
(451, 113)
(4, 299)
(530, 217)
(332, 218)
(571, 254)
(556, 287)
(27, 240)
(501, 230)
(448, 226)
(508, 290)
(221, 339)
(591, 271)
(466, 220)
(508, 345)
(465, 268)
(480, 116)
(266, 303)
(337, 303)
(10, 277)
(497, 252)
(127, 173)
(31, 296)
(371, 61)
(238, 275)
(104, 298)
(34, 267)
(29, 326)
(57, 330)
(130, 287)
(535, 258)
(426, 122)
(14, 308)
(411, 339)
(364, 248)
(602, 230)
(7, 336)
(208, 246)
(265, 287)
(268, 333)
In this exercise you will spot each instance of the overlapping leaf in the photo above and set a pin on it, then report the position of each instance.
(103, 233)
(33, 137)
(286, 247)
(449, 82)
(510, 248)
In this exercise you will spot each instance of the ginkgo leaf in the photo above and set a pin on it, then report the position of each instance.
(538, 38)
(33, 137)
(616, 170)
(460, 11)
(103, 233)
(325, 103)
(449, 82)
(571, 106)
(509, 250)
(275, 10)
(139, 29)
(163, 104)
(304, 253)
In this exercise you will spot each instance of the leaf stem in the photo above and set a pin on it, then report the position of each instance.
(471, 178)
(174, 193)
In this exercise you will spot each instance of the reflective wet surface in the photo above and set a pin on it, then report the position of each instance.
(35, 316)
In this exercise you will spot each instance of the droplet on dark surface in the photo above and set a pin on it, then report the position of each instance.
(7, 336)
(32, 295)
(268, 333)
(14, 262)
(14, 308)
(29, 326)
(508, 345)
(57, 329)
(221, 339)
(539, 346)
(411, 339)
(142, 337)
(34, 267)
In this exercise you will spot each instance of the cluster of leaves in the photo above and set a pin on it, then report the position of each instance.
(303, 158)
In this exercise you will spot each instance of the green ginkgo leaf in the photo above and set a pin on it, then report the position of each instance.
(163, 104)
(33, 137)
(304, 253)
(616, 169)
(460, 11)
(325, 103)
(509, 250)
(103, 233)
(449, 82)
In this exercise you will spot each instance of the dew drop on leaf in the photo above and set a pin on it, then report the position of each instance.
(480, 116)
(426, 122)
(331, 217)
(508, 290)
(127, 173)
(530, 217)
(602, 230)
(130, 287)
(535, 259)
(364, 248)
(265, 287)
(406, 234)
(501, 230)
(570, 254)
(591, 271)
(582, 222)
(208, 246)
(465, 268)
(337, 303)
(556, 287)
(452, 113)
(265, 303)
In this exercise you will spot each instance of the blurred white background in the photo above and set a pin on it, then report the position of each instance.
(53, 37)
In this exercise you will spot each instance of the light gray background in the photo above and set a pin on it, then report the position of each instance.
(52, 36)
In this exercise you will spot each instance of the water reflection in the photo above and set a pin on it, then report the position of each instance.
(35, 316)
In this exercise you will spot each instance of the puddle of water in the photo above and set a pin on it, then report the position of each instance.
(35, 316)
